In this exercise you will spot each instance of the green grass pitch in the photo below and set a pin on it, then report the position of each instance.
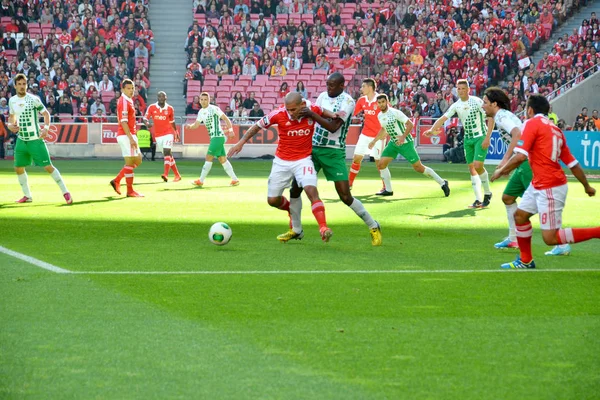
(398, 324)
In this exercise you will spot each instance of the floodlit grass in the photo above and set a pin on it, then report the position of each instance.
(530, 335)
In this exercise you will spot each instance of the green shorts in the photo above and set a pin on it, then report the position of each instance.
(216, 148)
(407, 150)
(473, 150)
(519, 181)
(332, 162)
(27, 151)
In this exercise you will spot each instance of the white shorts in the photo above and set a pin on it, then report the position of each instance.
(126, 149)
(549, 203)
(362, 147)
(283, 171)
(164, 142)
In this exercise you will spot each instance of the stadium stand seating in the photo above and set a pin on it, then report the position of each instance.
(48, 39)
(409, 47)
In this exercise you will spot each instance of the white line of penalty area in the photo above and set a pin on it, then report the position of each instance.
(59, 270)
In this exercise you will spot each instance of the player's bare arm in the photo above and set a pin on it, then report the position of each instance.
(382, 133)
(195, 125)
(12, 123)
(46, 127)
(254, 129)
(175, 131)
(490, 127)
(436, 126)
(512, 164)
(580, 175)
(409, 127)
(228, 125)
(515, 137)
(328, 120)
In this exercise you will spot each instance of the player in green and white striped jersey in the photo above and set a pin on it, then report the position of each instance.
(496, 104)
(211, 116)
(396, 124)
(477, 139)
(23, 119)
(329, 150)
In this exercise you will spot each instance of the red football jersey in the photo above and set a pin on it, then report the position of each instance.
(295, 136)
(545, 144)
(162, 119)
(372, 126)
(126, 113)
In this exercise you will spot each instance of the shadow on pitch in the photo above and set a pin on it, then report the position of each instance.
(104, 200)
(374, 199)
(468, 212)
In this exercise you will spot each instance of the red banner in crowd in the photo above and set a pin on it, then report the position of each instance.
(434, 140)
(68, 134)
(265, 136)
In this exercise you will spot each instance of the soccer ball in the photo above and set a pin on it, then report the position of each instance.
(220, 233)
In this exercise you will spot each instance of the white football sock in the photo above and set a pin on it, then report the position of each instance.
(205, 170)
(476, 182)
(59, 181)
(485, 182)
(362, 212)
(296, 213)
(510, 214)
(229, 169)
(387, 179)
(429, 172)
(24, 184)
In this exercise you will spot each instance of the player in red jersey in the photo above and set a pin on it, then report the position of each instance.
(367, 104)
(292, 157)
(127, 139)
(162, 116)
(545, 146)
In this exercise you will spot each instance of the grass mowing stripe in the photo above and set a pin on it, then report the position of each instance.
(323, 272)
(34, 261)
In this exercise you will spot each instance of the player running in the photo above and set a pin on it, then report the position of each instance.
(23, 119)
(292, 159)
(396, 124)
(497, 105)
(211, 115)
(367, 104)
(545, 146)
(127, 139)
(162, 116)
(477, 139)
(329, 152)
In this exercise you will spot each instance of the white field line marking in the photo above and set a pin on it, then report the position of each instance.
(34, 261)
(322, 272)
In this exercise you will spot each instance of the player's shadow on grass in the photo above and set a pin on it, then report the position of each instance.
(104, 200)
(148, 183)
(202, 189)
(374, 199)
(468, 212)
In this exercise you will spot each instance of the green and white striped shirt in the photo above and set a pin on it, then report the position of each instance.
(27, 110)
(471, 115)
(211, 116)
(506, 122)
(394, 123)
(344, 105)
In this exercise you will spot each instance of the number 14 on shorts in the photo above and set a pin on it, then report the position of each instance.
(308, 171)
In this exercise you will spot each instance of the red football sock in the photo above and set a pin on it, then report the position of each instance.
(129, 178)
(524, 233)
(167, 165)
(121, 175)
(285, 204)
(318, 210)
(354, 168)
(576, 235)
(174, 167)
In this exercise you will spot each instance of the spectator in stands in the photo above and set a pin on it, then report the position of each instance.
(228, 111)
(292, 62)
(236, 70)
(105, 85)
(596, 119)
(141, 51)
(283, 90)
(64, 105)
(249, 68)
(4, 109)
(222, 68)
(239, 5)
(433, 109)
(210, 39)
(249, 102)
(583, 115)
(278, 69)
(236, 102)
(579, 124)
(256, 112)
(321, 63)
(212, 13)
(194, 106)
(590, 125)
(9, 42)
(99, 116)
(301, 89)
(113, 103)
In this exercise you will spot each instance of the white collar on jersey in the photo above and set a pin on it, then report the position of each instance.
(162, 109)
(127, 97)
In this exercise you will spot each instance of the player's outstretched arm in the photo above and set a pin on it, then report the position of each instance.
(254, 129)
(515, 137)
(228, 125)
(436, 126)
(580, 175)
(195, 125)
(513, 163)
(490, 128)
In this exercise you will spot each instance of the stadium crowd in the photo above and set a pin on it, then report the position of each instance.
(76, 53)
